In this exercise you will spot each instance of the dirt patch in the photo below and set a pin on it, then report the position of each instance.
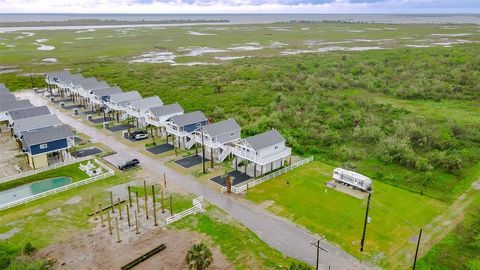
(99, 250)
(54, 212)
(10, 233)
(73, 200)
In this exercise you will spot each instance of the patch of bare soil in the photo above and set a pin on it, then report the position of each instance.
(99, 250)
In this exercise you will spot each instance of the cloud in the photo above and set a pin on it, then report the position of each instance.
(239, 6)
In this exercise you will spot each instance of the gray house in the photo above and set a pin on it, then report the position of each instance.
(217, 138)
(183, 127)
(13, 105)
(33, 123)
(26, 113)
(137, 108)
(118, 102)
(261, 153)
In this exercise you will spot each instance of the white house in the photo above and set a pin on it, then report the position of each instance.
(118, 102)
(158, 116)
(138, 108)
(218, 138)
(99, 96)
(261, 153)
(5, 107)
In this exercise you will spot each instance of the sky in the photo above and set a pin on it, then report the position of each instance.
(240, 6)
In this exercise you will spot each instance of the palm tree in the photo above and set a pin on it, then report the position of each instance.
(199, 257)
(299, 266)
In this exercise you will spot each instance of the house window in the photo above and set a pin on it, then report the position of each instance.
(199, 124)
(232, 134)
(43, 146)
(276, 147)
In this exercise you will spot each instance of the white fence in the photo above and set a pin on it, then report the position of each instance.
(197, 207)
(267, 177)
(44, 169)
(26, 200)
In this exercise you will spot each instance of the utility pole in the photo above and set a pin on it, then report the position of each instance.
(365, 223)
(203, 154)
(31, 79)
(416, 251)
(317, 245)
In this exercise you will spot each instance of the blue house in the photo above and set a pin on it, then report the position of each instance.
(42, 146)
(184, 125)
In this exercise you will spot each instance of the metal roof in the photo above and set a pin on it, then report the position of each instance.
(7, 97)
(106, 91)
(188, 118)
(36, 122)
(146, 103)
(264, 140)
(90, 84)
(166, 110)
(28, 112)
(81, 80)
(58, 74)
(46, 135)
(15, 105)
(126, 96)
(222, 127)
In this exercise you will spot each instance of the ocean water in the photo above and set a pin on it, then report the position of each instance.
(254, 18)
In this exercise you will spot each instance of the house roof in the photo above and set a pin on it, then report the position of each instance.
(15, 105)
(106, 91)
(73, 78)
(264, 140)
(166, 110)
(36, 122)
(61, 75)
(3, 88)
(93, 84)
(6, 97)
(28, 112)
(188, 118)
(146, 103)
(45, 135)
(222, 127)
(81, 81)
(126, 96)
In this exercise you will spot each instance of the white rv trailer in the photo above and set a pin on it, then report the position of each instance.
(354, 179)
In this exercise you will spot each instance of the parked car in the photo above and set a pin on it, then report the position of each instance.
(129, 164)
(135, 133)
(142, 136)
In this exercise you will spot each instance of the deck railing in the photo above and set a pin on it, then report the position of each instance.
(44, 169)
(245, 187)
(197, 207)
(25, 201)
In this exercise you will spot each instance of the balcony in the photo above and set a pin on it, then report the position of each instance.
(262, 160)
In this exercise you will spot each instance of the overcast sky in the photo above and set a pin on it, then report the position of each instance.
(240, 6)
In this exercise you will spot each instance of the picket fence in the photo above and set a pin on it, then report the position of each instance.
(197, 208)
(245, 187)
(25, 201)
(44, 169)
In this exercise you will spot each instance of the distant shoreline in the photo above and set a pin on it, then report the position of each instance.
(98, 22)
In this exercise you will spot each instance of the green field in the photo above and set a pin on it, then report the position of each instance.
(460, 249)
(396, 214)
(406, 115)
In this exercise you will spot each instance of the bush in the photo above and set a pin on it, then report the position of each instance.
(299, 266)
(28, 248)
(199, 257)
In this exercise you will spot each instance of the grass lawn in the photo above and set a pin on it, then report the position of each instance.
(396, 214)
(73, 171)
(460, 249)
(237, 243)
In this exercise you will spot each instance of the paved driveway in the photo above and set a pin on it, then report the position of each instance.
(279, 233)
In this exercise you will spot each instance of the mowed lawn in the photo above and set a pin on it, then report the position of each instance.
(396, 214)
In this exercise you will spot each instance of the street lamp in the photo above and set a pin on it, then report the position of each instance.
(317, 245)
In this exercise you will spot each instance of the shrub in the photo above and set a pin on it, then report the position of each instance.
(199, 257)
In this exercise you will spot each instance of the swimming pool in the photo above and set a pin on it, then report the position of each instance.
(23, 191)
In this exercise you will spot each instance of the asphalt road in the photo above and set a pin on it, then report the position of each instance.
(279, 233)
